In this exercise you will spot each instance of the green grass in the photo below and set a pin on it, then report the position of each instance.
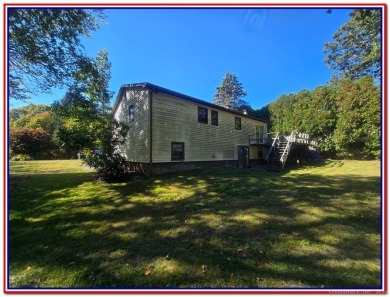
(312, 227)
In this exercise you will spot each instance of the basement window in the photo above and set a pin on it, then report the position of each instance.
(131, 113)
(202, 115)
(237, 123)
(177, 151)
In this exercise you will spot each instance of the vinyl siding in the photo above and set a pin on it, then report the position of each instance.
(136, 146)
(176, 120)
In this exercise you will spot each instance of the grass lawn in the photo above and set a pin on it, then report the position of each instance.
(311, 227)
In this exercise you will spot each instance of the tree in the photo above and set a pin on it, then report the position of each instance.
(320, 117)
(230, 93)
(81, 114)
(262, 113)
(76, 118)
(45, 48)
(92, 80)
(356, 48)
(282, 114)
(35, 143)
(357, 131)
(32, 116)
(16, 114)
(99, 87)
(344, 117)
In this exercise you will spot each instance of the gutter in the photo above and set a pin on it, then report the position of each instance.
(158, 89)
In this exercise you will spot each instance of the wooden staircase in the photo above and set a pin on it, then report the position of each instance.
(281, 146)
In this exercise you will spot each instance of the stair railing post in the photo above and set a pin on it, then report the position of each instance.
(272, 146)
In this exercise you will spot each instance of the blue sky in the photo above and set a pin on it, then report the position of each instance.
(271, 51)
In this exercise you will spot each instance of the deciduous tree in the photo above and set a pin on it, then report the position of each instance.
(356, 47)
(32, 116)
(357, 131)
(344, 117)
(82, 113)
(45, 48)
(35, 143)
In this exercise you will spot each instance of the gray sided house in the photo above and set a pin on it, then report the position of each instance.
(170, 132)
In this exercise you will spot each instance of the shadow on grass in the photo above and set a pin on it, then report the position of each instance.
(221, 228)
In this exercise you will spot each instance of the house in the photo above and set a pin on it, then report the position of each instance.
(170, 131)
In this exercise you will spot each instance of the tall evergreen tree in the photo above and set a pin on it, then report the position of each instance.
(230, 93)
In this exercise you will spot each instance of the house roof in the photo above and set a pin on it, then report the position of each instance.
(158, 89)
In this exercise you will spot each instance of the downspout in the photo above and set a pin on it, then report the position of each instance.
(150, 133)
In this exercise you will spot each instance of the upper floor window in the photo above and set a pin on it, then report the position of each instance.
(237, 123)
(131, 113)
(202, 115)
(214, 118)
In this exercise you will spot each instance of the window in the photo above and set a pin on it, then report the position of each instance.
(214, 118)
(131, 113)
(177, 151)
(202, 115)
(237, 123)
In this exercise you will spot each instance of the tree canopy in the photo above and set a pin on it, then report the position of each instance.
(230, 93)
(81, 113)
(31, 144)
(356, 47)
(343, 116)
(45, 48)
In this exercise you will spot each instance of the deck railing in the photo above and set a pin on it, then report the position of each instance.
(261, 139)
(302, 138)
(294, 138)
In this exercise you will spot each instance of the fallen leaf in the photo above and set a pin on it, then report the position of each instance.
(148, 273)
(203, 268)
(282, 236)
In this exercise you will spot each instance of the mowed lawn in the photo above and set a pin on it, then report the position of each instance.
(311, 227)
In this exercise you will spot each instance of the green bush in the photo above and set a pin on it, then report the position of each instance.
(32, 144)
(109, 168)
(110, 165)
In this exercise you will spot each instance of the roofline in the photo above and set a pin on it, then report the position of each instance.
(159, 89)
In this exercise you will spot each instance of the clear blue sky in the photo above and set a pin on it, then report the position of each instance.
(271, 51)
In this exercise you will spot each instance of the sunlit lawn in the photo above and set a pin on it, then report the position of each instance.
(311, 227)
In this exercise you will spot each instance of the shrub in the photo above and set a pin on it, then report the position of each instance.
(109, 168)
(109, 164)
(33, 143)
